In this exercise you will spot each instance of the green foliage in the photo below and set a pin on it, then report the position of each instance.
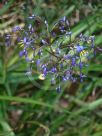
(29, 110)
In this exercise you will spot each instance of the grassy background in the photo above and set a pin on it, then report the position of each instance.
(26, 109)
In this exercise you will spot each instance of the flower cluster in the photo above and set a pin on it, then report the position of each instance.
(47, 49)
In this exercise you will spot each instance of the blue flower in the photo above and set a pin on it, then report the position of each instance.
(80, 65)
(23, 52)
(58, 59)
(63, 19)
(16, 28)
(79, 48)
(45, 71)
(54, 70)
(38, 62)
(64, 78)
(73, 62)
(44, 42)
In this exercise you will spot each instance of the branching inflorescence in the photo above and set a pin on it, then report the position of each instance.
(53, 50)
